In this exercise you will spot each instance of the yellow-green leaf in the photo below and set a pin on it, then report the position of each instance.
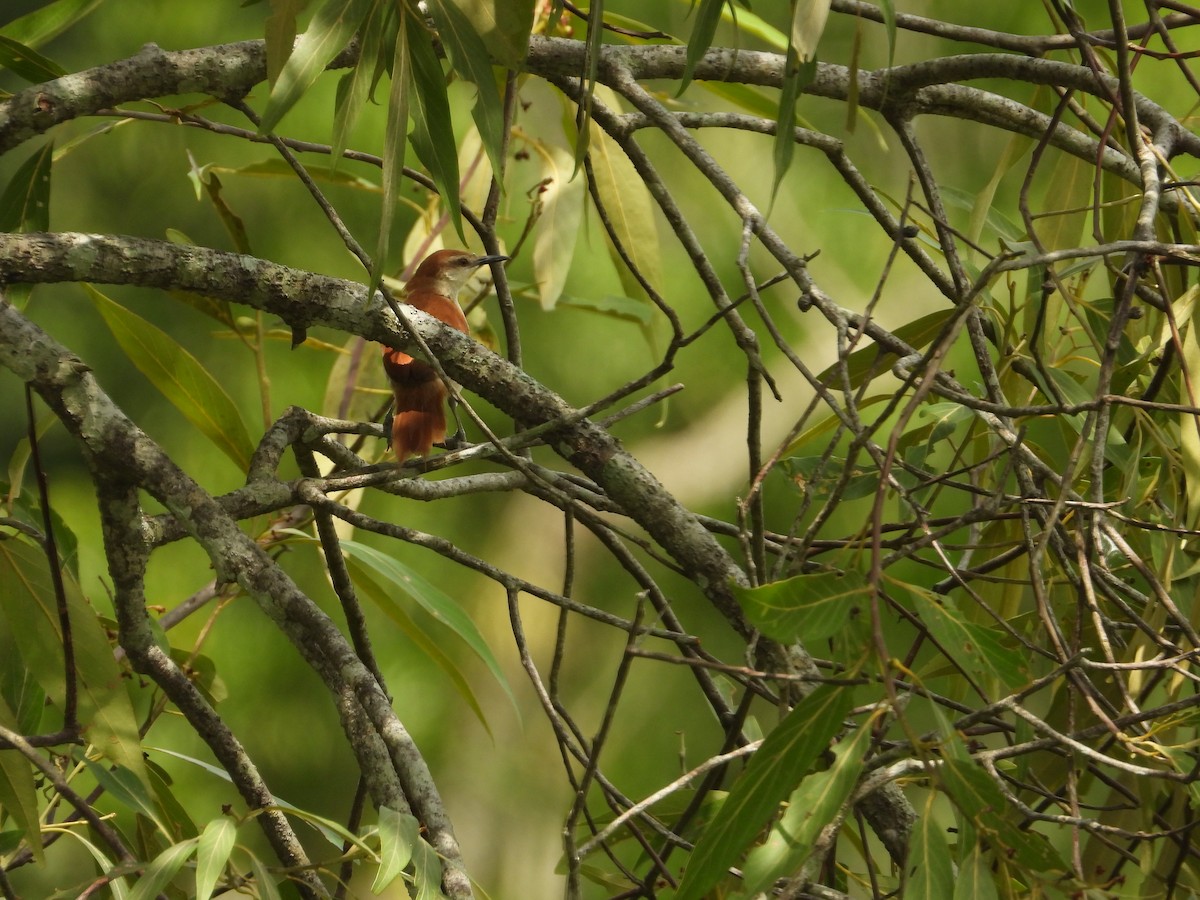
(180, 377)
(559, 224)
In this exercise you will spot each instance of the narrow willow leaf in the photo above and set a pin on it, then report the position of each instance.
(27, 62)
(1067, 203)
(25, 203)
(18, 793)
(331, 28)
(29, 604)
(583, 118)
(212, 853)
(869, 361)
(433, 132)
(443, 608)
(469, 58)
(812, 806)
(625, 308)
(264, 881)
(982, 801)
(805, 608)
(354, 90)
(399, 833)
(797, 73)
(808, 24)
(124, 787)
(930, 870)
(160, 872)
(976, 647)
(36, 28)
(104, 864)
(180, 377)
(772, 774)
(975, 880)
(707, 16)
(394, 143)
(426, 643)
(558, 226)
(629, 207)
(427, 872)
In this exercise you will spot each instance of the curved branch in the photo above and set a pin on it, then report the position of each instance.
(304, 299)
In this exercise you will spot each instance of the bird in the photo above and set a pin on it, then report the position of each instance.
(419, 415)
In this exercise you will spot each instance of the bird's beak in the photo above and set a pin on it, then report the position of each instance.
(484, 260)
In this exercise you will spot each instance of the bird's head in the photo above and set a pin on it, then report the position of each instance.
(446, 271)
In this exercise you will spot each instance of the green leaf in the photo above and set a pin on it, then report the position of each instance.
(126, 788)
(212, 853)
(772, 773)
(629, 206)
(399, 834)
(264, 881)
(1068, 203)
(626, 308)
(25, 204)
(27, 63)
(36, 28)
(160, 872)
(558, 225)
(103, 863)
(394, 142)
(29, 604)
(701, 38)
(930, 870)
(426, 643)
(870, 360)
(977, 648)
(503, 27)
(180, 377)
(812, 806)
(354, 90)
(18, 793)
(797, 73)
(443, 608)
(433, 132)
(981, 801)
(806, 608)
(469, 58)
(975, 879)
(808, 24)
(332, 26)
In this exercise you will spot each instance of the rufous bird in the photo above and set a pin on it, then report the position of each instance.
(419, 414)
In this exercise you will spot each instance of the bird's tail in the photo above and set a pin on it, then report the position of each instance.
(419, 421)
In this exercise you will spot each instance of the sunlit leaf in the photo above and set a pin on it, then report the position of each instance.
(558, 227)
(433, 132)
(504, 27)
(772, 773)
(212, 853)
(180, 377)
(399, 833)
(104, 864)
(629, 206)
(41, 25)
(808, 24)
(332, 26)
(806, 608)
(811, 807)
